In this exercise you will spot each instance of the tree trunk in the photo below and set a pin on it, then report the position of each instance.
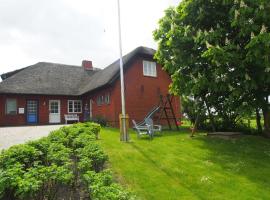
(258, 121)
(194, 129)
(266, 115)
(211, 117)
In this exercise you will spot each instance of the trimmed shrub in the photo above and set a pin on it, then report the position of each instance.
(101, 186)
(40, 169)
(93, 154)
(82, 140)
(23, 154)
(100, 120)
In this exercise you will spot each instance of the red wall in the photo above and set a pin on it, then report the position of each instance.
(141, 92)
(43, 111)
(106, 111)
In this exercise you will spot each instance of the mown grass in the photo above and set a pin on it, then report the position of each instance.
(175, 166)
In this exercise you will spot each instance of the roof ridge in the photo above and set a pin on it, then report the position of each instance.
(53, 63)
(66, 79)
(110, 73)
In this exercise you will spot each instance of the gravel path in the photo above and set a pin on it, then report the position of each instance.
(17, 135)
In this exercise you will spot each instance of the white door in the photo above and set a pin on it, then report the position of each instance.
(54, 111)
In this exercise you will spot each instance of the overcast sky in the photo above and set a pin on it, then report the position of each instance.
(68, 31)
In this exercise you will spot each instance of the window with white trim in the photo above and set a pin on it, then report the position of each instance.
(107, 98)
(149, 68)
(100, 100)
(74, 106)
(11, 107)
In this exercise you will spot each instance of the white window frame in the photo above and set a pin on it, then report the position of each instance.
(107, 98)
(149, 68)
(73, 107)
(9, 99)
(99, 100)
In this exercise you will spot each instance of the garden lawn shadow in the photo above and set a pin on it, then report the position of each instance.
(246, 159)
(175, 166)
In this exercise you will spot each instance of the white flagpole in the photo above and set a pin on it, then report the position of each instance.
(124, 125)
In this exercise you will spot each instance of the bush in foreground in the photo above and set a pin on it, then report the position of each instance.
(58, 166)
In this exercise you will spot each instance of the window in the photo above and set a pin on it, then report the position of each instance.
(149, 68)
(32, 106)
(11, 107)
(74, 106)
(107, 98)
(99, 100)
(103, 99)
(54, 107)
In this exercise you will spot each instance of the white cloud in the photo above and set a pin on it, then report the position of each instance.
(68, 31)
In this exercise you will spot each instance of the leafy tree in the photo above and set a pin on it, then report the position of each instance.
(218, 51)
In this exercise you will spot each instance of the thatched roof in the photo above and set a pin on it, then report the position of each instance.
(58, 79)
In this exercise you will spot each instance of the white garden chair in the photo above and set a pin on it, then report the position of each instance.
(143, 130)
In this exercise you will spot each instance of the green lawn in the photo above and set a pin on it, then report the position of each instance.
(174, 166)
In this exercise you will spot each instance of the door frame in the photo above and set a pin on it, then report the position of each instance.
(59, 109)
(26, 111)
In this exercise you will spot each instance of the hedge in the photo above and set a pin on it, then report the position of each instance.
(67, 164)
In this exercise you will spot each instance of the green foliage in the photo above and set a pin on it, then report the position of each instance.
(42, 145)
(59, 136)
(9, 179)
(23, 154)
(190, 109)
(38, 169)
(91, 153)
(42, 181)
(82, 140)
(240, 126)
(30, 173)
(92, 127)
(58, 154)
(218, 53)
(100, 120)
(101, 186)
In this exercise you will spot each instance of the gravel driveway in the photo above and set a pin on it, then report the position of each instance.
(17, 135)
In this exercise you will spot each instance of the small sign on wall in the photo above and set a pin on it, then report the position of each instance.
(21, 110)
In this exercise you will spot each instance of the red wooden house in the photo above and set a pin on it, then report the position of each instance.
(44, 92)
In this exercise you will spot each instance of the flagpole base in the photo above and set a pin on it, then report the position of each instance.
(124, 125)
